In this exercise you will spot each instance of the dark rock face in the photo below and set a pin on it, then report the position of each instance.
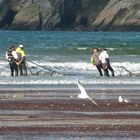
(6, 13)
(88, 15)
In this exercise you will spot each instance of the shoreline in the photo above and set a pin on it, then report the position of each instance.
(73, 86)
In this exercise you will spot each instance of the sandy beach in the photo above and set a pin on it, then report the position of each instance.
(58, 111)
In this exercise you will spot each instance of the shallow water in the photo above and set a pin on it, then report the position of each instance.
(68, 55)
(57, 137)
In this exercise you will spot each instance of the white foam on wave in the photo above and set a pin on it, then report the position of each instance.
(86, 67)
(125, 67)
(61, 81)
(82, 48)
(83, 70)
(111, 49)
(73, 66)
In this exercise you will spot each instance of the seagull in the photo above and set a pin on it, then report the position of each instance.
(126, 101)
(83, 94)
(122, 100)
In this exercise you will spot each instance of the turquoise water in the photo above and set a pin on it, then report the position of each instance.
(68, 42)
(69, 54)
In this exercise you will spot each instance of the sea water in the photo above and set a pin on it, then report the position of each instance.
(44, 137)
(57, 59)
(61, 57)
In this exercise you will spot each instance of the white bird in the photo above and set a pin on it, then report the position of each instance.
(83, 93)
(123, 100)
(126, 101)
(120, 99)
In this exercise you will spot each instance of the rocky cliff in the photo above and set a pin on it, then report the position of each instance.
(88, 15)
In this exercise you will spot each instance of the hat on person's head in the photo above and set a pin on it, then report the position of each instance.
(96, 49)
(105, 49)
(20, 46)
(12, 47)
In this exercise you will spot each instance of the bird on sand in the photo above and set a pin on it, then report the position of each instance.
(122, 100)
(83, 94)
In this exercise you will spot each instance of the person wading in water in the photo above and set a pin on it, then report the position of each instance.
(104, 58)
(96, 60)
(12, 56)
(21, 63)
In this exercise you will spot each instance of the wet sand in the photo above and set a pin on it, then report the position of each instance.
(59, 112)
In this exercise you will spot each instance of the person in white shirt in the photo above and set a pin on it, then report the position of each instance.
(12, 56)
(104, 58)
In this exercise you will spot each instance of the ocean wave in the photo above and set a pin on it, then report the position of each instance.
(68, 53)
(69, 71)
(120, 81)
(82, 48)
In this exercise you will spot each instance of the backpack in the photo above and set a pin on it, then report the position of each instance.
(91, 60)
(10, 56)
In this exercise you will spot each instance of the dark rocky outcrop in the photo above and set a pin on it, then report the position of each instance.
(88, 15)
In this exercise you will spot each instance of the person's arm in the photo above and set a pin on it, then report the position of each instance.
(107, 60)
(101, 57)
(6, 55)
(92, 60)
(14, 53)
(23, 58)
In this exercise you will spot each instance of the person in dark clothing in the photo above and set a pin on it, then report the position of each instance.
(109, 67)
(11, 56)
(96, 60)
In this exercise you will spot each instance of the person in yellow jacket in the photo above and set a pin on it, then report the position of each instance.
(21, 61)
